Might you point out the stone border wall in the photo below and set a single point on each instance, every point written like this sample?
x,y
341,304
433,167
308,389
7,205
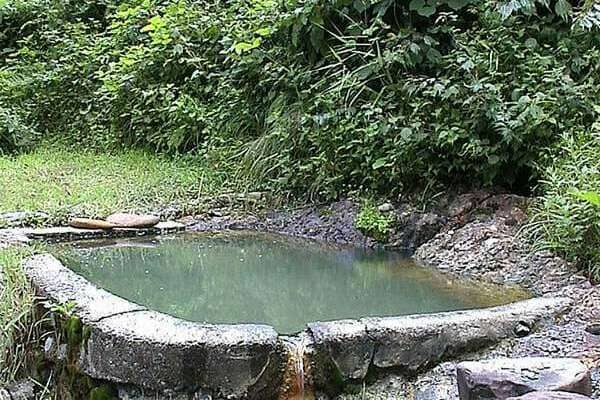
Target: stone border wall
x,y
126,343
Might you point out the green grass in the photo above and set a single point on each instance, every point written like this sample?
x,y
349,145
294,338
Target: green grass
x,y
16,311
63,183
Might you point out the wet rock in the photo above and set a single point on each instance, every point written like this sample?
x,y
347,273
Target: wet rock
x,y
512,377
88,223
550,396
522,329
124,220
414,229
593,328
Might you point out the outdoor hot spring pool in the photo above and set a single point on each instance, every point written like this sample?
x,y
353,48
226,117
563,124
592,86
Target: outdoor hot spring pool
x,y
268,279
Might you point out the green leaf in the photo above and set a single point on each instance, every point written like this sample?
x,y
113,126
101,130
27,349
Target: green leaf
x,y
422,8
591,197
563,9
263,31
380,162
457,4
416,5
427,11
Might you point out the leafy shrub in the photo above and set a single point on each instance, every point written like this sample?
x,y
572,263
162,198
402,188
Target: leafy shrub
x,y
14,134
566,219
373,223
318,96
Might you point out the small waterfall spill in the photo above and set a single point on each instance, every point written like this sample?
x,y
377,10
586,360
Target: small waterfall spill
x,y
296,384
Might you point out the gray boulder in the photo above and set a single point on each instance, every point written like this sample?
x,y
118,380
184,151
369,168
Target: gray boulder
x,y
512,377
550,396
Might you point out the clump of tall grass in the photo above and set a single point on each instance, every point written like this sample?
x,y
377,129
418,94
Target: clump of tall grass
x,y
566,218
16,313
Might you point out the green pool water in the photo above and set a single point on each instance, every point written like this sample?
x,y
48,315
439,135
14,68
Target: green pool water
x,y
259,278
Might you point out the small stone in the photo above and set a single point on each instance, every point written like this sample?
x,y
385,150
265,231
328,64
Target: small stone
x,y
124,220
22,390
550,396
593,328
522,329
385,207
502,378
255,195
88,223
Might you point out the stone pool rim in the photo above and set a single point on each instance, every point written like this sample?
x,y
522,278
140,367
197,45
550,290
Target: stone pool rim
x,y
130,344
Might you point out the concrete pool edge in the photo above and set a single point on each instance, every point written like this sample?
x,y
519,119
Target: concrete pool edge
x,y
129,344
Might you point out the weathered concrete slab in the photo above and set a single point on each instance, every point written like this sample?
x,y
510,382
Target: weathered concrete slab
x,y
349,349
413,342
128,344
160,352
510,377
347,345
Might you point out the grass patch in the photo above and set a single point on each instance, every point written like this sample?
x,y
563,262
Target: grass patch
x,y
16,312
373,223
62,183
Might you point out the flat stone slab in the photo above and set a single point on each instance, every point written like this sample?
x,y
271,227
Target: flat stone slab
x,y
512,377
125,220
347,345
20,218
157,351
550,396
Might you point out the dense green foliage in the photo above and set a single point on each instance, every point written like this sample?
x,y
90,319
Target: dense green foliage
x,y
566,219
325,95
